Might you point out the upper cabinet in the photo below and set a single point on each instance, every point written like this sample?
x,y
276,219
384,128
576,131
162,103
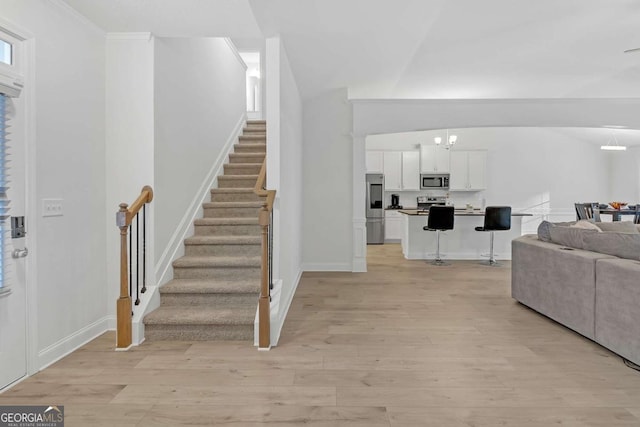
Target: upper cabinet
x,y
410,170
374,161
468,171
392,167
434,159
401,169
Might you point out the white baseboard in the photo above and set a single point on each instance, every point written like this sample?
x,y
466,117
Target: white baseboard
x,y
326,266
66,345
458,256
174,248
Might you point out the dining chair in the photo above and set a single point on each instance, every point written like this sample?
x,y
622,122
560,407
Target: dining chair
x,y
588,211
636,217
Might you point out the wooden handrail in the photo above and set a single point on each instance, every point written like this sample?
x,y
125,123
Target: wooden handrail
x,y
264,325
123,307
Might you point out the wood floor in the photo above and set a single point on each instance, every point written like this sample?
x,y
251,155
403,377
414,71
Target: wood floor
x,y
406,344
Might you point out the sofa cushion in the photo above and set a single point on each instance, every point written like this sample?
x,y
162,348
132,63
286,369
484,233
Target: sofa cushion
x,y
622,245
618,226
543,229
586,224
571,237
617,312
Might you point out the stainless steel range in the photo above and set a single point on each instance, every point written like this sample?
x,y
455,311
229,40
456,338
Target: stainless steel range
x,y
425,202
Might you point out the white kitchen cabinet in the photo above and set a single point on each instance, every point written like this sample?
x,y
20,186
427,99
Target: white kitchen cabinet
x,y
468,171
392,226
392,170
411,170
374,161
434,159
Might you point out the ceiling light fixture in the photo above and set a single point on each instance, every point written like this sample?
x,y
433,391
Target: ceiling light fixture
x,y
451,139
615,146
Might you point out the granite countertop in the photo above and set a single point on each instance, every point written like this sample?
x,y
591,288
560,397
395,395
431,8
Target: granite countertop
x,y
458,212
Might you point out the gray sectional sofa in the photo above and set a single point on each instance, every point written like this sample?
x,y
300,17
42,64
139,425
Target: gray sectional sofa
x,y
585,279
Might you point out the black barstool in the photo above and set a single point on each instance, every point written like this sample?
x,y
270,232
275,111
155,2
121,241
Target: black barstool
x,y
440,219
496,218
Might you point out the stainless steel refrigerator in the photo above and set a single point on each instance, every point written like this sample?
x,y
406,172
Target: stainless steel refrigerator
x,y
375,209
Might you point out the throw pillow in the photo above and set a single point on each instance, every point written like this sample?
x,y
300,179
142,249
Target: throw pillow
x,y
618,227
543,229
571,237
586,224
622,245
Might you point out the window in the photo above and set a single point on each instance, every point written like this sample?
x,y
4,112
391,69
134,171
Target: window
x,y
6,52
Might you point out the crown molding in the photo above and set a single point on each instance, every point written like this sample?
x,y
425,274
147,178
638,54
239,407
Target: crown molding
x,y
64,6
146,36
434,101
234,50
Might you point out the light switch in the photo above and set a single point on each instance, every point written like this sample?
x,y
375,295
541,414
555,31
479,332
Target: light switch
x,y
52,207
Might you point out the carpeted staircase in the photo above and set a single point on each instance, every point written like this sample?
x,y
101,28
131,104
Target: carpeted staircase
x,y
215,286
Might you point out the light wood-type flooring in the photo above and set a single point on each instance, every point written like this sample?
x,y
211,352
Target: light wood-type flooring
x,y
405,344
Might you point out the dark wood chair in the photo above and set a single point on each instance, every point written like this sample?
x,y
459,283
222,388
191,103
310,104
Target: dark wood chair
x,y
588,211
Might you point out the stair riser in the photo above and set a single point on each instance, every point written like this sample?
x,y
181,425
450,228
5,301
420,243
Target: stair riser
x,y
235,197
253,158
231,212
222,250
250,148
227,230
236,183
223,273
240,169
252,139
198,332
209,300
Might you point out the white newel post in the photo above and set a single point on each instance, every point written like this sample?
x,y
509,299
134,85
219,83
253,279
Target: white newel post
x,y
359,219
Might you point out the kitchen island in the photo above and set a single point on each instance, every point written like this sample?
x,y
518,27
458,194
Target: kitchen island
x,y
463,242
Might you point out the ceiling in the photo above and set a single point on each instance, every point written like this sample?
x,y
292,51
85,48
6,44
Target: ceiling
x,y
418,48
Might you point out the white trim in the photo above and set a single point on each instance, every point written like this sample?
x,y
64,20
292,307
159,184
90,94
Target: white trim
x,y
173,248
464,256
145,36
78,16
280,314
492,101
31,200
67,345
148,304
326,266
234,50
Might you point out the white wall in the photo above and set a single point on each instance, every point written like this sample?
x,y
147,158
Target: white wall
x,y
199,100
129,137
70,257
625,175
284,157
327,197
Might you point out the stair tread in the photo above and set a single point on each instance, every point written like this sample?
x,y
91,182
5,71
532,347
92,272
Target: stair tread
x,y
232,190
227,221
195,286
257,204
176,315
219,240
244,165
191,261
238,177
251,144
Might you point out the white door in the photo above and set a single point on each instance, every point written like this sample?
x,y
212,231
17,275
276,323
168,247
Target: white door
x,y
477,170
459,178
13,294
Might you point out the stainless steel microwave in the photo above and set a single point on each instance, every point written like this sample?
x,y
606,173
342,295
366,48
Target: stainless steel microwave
x,y
429,181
